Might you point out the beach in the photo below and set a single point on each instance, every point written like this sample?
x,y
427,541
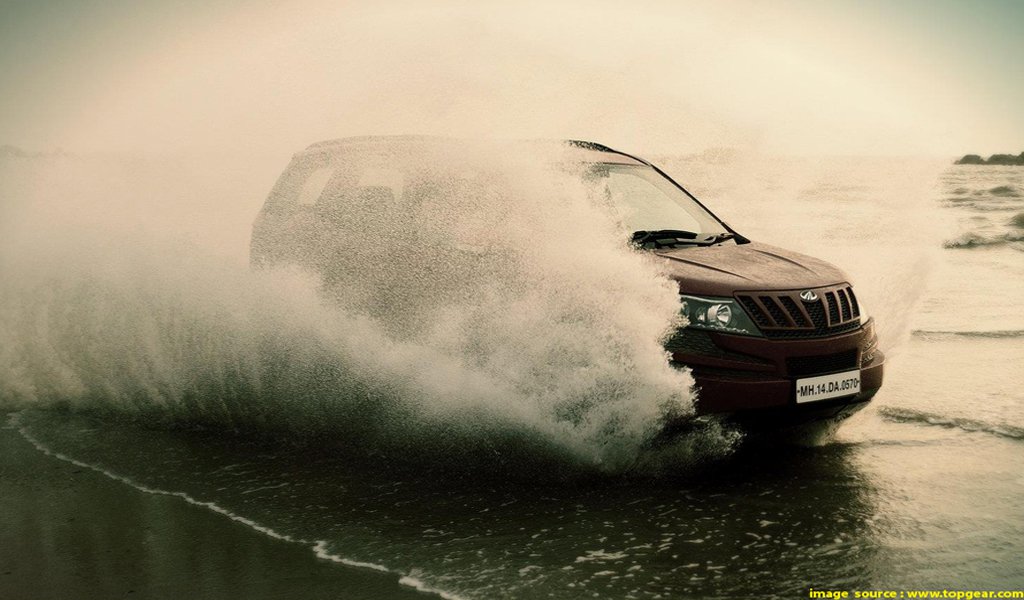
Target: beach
x,y
70,532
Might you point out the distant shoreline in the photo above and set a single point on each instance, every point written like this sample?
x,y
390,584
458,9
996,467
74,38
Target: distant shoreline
x,y
996,159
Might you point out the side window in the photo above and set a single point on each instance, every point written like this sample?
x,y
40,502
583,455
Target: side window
x,y
356,188
387,178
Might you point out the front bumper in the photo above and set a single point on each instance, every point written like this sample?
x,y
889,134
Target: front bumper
x,y
754,378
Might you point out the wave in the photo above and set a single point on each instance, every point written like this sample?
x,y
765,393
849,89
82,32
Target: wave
x,y
1008,333
1005,191
1017,220
904,415
975,240
986,205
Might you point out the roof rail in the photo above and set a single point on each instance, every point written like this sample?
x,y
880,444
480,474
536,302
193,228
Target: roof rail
x,y
585,145
581,144
375,138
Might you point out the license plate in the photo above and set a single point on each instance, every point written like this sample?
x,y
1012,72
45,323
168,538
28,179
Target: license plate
x,y
823,387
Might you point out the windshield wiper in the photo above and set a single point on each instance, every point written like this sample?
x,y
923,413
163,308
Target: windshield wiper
x,y
663,236
660,238
721,237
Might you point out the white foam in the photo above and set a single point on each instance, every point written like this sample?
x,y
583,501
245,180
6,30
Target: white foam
x,y
420,586
320,548
265,487
600,556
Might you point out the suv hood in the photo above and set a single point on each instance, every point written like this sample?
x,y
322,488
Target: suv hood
x,y
725,269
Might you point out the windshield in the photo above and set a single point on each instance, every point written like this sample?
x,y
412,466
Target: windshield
x,y
643,200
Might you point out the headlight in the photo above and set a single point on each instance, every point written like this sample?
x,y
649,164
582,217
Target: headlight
x,y
717,314
864,313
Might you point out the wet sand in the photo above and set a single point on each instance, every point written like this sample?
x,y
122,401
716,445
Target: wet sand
x,y
68,533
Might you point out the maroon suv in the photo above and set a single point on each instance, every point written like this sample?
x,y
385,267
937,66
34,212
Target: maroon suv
x,y
774,338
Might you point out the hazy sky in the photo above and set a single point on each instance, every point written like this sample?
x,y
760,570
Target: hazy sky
x,y
828,76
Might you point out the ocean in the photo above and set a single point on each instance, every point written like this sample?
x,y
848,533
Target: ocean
x,y
139,348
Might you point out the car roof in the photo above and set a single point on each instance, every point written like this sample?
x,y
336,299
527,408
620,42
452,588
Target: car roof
x,y
575,150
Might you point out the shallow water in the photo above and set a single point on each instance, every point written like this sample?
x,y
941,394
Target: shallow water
x,y
921,490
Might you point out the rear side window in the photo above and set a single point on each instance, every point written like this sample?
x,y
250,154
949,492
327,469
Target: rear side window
x,y
301,183
314,185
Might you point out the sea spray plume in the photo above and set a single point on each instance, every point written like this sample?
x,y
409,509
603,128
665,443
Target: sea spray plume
x,y
556,352
573,321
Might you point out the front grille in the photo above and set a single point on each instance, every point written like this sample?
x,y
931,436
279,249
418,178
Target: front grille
x,y
786,315
801,366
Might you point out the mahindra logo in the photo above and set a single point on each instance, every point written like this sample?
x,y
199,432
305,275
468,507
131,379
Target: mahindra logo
x,y
808,296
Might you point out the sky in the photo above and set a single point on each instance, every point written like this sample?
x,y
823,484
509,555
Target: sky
x,y
866,77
